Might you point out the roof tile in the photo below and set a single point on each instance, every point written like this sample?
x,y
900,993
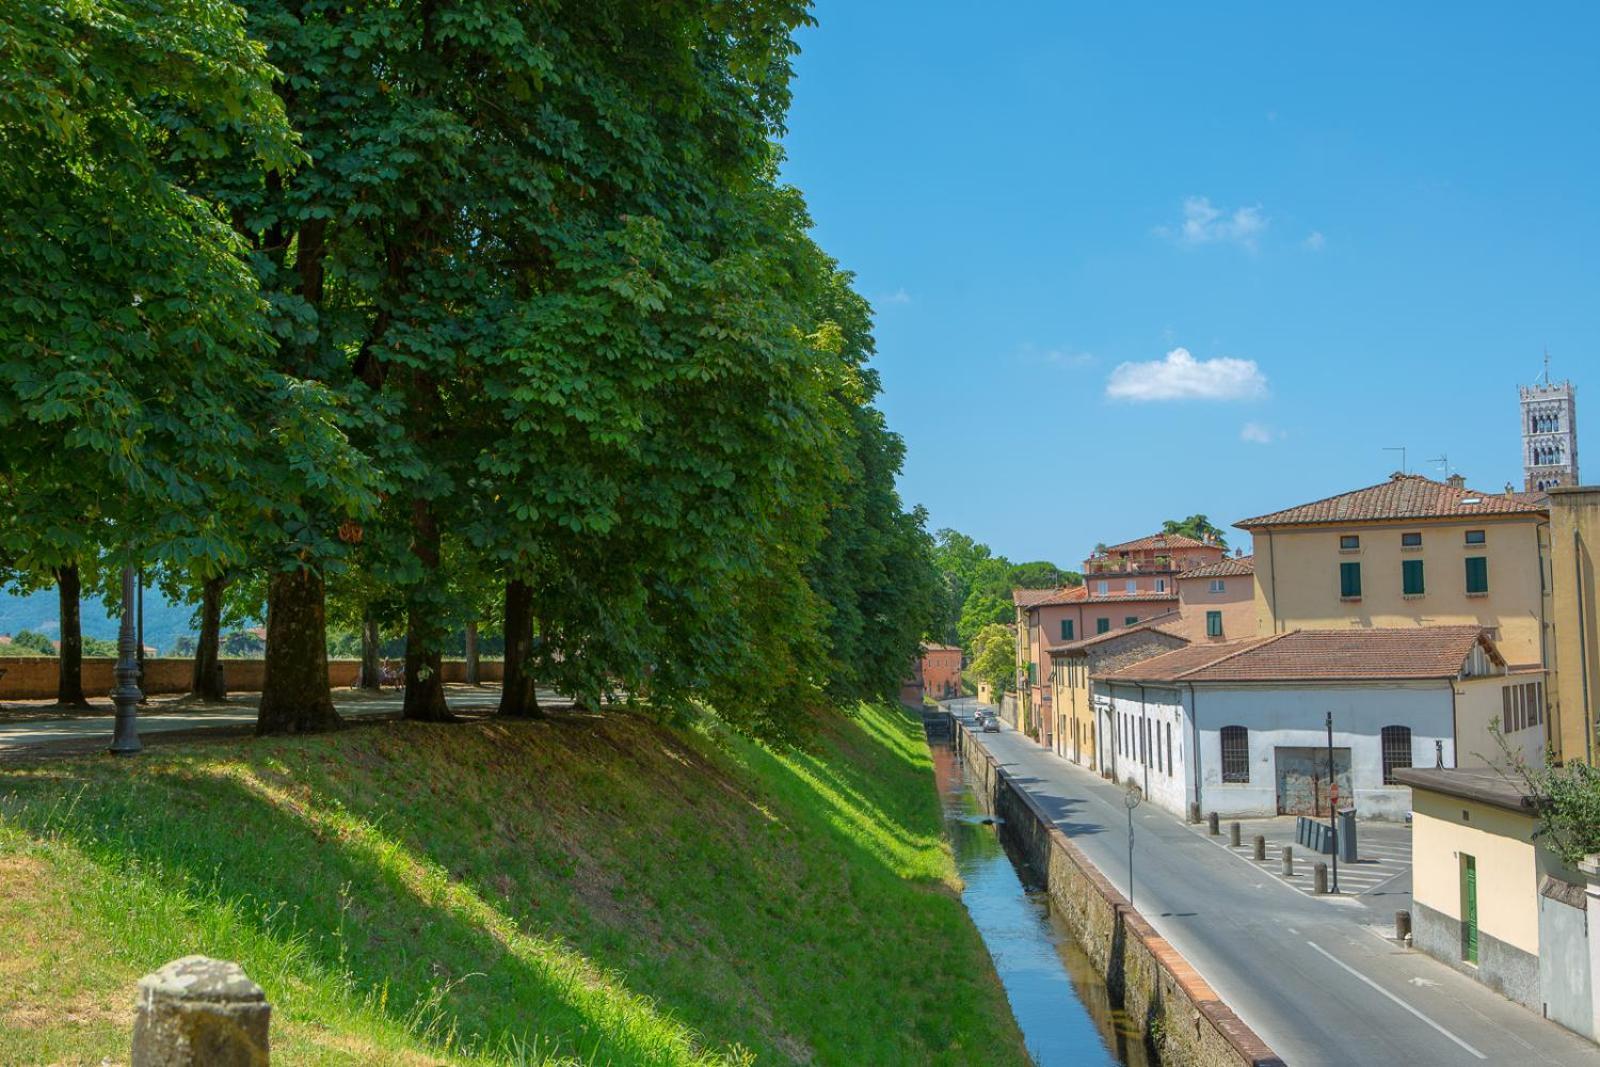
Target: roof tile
x,y
1420,652
1403,496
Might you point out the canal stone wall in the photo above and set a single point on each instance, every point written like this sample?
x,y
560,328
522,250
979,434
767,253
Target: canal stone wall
x,y
1182,1016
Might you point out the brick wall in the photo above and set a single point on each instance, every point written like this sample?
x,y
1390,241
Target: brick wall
x,y
1156,986
34,677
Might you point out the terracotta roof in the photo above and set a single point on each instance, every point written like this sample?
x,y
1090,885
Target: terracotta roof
x,y
1026,598
1071,594
1389,654
1143,596
934,646
1156,623
1403,496
1155,542
1233,567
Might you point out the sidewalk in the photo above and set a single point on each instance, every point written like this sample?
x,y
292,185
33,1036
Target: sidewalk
x,y
1312,978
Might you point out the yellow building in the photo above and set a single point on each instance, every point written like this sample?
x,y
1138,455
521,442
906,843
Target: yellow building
x,y
1490,900
1077,719
1574,541
1412,551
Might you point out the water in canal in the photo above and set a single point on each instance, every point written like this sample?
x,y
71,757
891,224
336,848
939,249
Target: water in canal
x,y
1059,1001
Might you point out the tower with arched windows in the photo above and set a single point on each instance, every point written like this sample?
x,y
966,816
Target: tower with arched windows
x,y
1549,433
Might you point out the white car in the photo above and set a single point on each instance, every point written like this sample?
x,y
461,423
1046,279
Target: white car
x,y
988,722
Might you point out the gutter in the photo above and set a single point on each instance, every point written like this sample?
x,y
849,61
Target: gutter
x,y
1583,649
1272,577
1544,645
1144,738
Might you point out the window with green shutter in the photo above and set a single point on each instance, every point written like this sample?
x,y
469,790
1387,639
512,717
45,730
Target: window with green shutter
x,y
1130,620
1066,629
1213,624
1349,579
1477,574
1102,626
1411,577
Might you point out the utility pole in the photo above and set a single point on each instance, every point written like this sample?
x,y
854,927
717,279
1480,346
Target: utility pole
x,y
1131,801
1333,806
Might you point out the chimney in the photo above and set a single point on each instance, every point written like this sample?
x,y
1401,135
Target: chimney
x,y
1510,489
1456,481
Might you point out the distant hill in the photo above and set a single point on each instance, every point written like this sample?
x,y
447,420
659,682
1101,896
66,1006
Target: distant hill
x,y
164,621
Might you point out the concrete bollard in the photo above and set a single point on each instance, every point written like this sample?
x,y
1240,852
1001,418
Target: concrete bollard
x,y
1402,926
1261,849
199,1012
1194,812
1233,834
1214,826
1288,862
1319,879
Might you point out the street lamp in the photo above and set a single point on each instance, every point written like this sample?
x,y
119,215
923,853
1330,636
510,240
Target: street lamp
x,y
1130,800
126,696
1333,807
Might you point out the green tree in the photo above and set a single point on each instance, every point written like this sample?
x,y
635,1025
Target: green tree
x,y
994,657
1196,526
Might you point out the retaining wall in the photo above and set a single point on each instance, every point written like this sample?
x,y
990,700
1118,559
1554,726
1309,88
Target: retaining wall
x,y
1186,1021
34,677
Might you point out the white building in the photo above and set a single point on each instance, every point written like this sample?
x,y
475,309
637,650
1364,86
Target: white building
x,y
1241,728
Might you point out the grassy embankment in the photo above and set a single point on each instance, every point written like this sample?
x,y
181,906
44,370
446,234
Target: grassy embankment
x,y
594,890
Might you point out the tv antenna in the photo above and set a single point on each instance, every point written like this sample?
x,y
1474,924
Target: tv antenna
x,y
1443,462
1402,450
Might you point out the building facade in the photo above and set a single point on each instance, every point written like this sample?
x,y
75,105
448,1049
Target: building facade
x,y
1217,602
935,673
1549,434
1077,733
1575,550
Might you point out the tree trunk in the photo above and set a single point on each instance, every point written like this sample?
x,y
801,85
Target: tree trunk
x,y
371,668
69,666
424,699
295,697
518,697
472,653
208,682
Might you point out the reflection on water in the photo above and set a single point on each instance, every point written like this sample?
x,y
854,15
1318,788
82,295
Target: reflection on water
x,y
1059,1001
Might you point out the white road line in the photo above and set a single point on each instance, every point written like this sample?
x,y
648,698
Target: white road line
x,y
1397,1000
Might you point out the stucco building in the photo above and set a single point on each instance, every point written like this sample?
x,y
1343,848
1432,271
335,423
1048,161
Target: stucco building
x,y
935,673
1575,541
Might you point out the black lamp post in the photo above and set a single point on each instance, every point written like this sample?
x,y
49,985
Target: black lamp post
x,y
1333,807
126,696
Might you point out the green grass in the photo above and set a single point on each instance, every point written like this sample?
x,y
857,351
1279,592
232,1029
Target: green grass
x,y
596,890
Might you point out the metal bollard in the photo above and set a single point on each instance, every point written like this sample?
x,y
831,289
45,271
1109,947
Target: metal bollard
x,y
1319,879
1233,834
1214,826
1288,862
199,1012
1261,848
1402,926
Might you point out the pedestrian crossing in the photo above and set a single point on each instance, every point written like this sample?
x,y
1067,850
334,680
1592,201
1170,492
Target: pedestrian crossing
x,y
1383,856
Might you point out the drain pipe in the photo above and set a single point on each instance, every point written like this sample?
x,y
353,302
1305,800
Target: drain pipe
x,y
1144,738
1194,721
1583,648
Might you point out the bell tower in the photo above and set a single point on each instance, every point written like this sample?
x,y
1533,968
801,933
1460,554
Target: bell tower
x,y
1549,433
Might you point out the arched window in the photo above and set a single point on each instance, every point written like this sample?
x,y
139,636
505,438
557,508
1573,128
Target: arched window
x,y
1235,754
1396,751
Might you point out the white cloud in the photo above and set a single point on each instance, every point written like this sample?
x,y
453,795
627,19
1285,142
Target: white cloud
x,y
1258,434
1314,241
1056,357
1182,377
1205,223
899,296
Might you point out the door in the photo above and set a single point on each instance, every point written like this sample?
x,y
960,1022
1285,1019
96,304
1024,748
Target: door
x,y
1302,775
1469,908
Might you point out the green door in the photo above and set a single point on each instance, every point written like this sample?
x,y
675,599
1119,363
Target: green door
x,y
1469,909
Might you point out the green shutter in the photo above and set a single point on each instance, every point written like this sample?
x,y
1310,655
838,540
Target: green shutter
x,y
1213,624
1066,629
1102,625
1349,579
1411,577
1477,574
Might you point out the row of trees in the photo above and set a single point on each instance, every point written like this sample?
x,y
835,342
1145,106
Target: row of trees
x,y
976,585
430,314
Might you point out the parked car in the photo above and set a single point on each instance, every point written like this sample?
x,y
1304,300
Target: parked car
x,y
988,722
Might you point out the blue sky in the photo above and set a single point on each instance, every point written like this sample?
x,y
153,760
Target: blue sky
x,y
1363,225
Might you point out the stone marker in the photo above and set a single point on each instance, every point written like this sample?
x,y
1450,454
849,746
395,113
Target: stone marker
x,y
1194,811
1288,862
1233,834
200,1012
1214,826
1319,879
1261,848
1402,925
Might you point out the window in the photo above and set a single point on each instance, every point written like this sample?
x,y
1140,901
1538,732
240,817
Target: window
x,y
1349,543
1235,754
1411,540
1350,580
1213,624
1144,740
1169,750
1411,577
1218,585
1476,537
1032,673
1161,585
1129,620
1396,751
1102,625
1066,629
1477,574
1131,585
1522,706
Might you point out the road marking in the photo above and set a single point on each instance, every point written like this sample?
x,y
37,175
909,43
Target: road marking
x,y
1397,1000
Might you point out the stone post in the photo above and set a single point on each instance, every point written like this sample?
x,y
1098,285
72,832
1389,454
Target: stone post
x,y
1261,848
1319,879
1233,834
1402,926
1213,825
1288,862
199,1012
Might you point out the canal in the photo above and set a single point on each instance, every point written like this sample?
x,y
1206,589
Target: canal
x,y
1060,1002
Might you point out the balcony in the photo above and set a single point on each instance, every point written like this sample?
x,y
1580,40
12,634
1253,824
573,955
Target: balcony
x,y
1105,565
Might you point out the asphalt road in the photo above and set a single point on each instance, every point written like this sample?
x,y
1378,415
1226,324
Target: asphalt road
x,y
1309,975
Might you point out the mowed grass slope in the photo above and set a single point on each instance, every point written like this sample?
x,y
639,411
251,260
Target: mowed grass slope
x,y
598,889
